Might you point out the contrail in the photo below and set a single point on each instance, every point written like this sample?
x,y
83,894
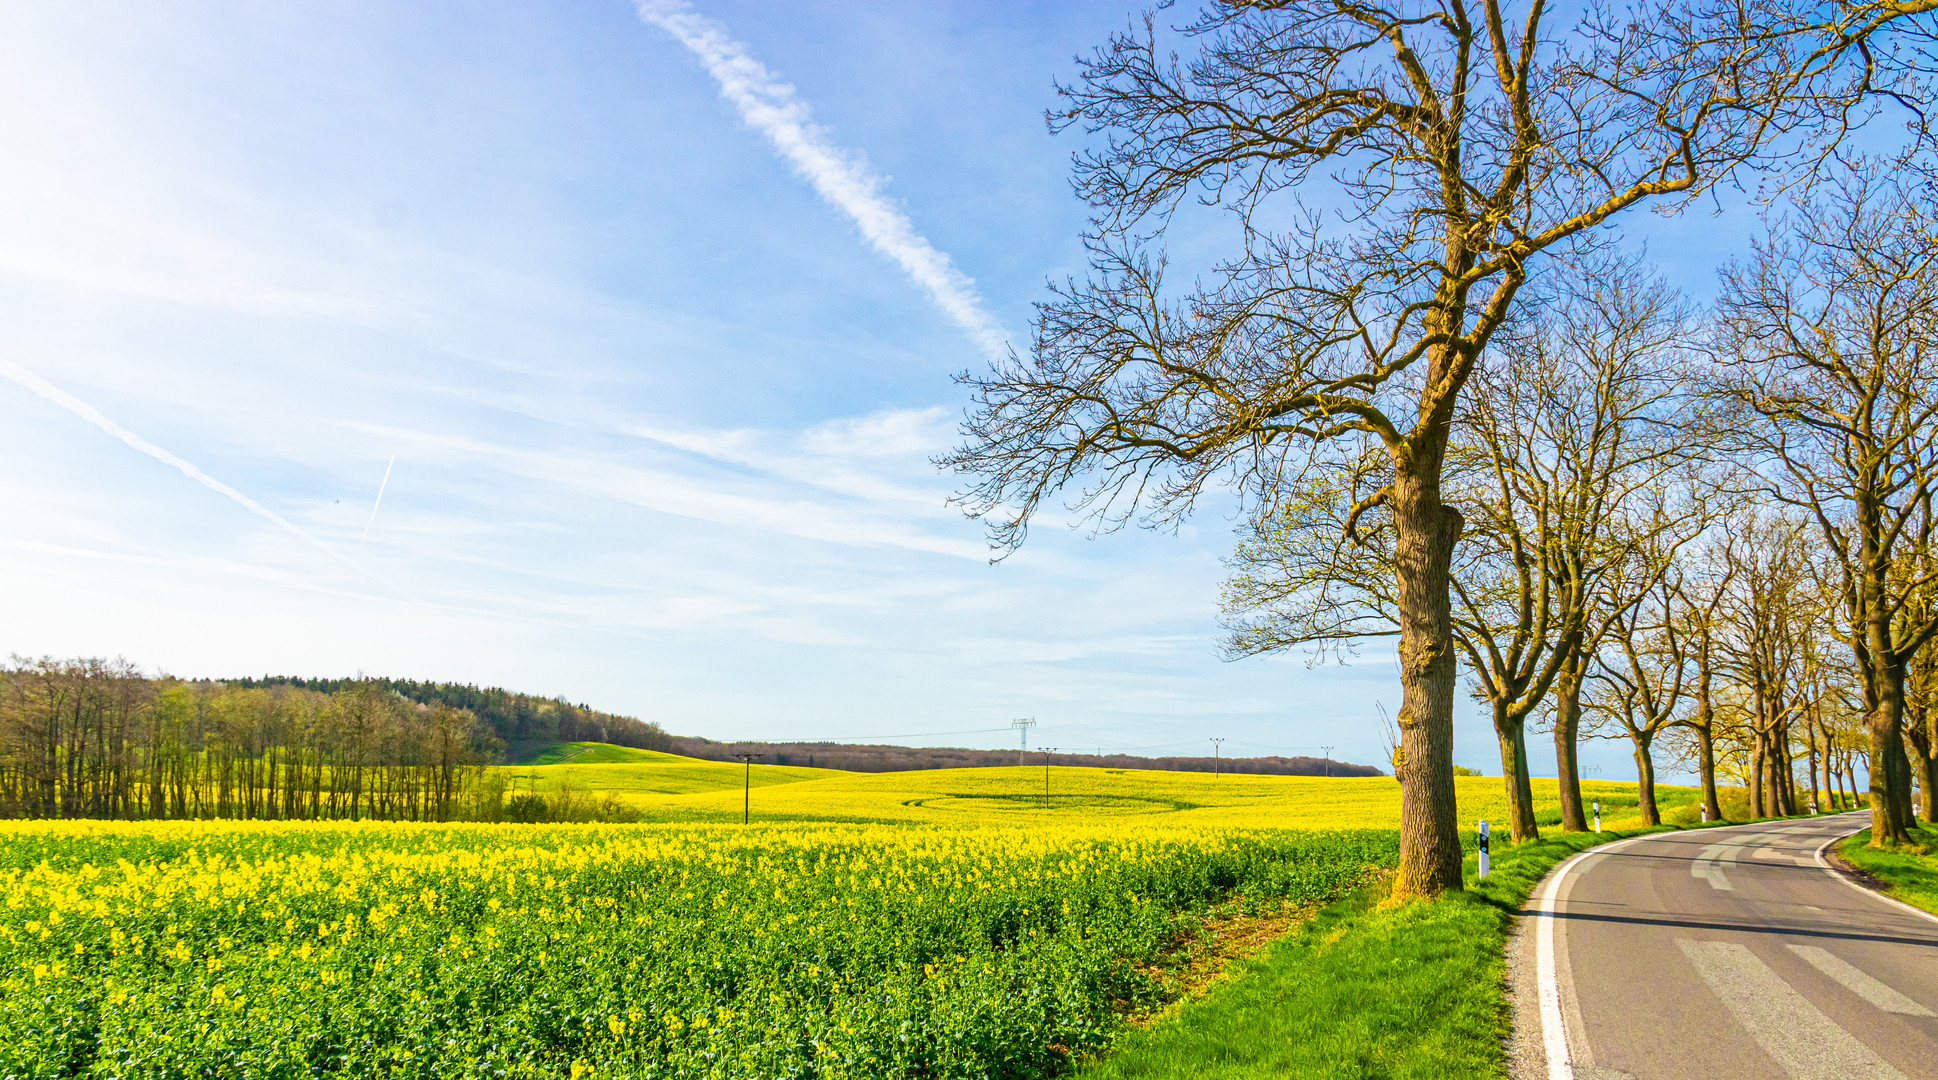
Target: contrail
x,y
841,176
380,501
87,412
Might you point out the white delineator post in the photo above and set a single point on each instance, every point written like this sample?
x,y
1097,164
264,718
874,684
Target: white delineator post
x,y
1483,850
1598,815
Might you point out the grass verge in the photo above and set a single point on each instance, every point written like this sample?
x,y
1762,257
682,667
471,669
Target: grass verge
x,y
1364,989
1905,874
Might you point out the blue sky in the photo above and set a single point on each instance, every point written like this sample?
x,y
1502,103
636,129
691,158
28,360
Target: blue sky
x,y
656,413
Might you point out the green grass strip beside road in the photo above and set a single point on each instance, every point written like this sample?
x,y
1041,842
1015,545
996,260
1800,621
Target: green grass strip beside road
x,y
1363,991
1907,875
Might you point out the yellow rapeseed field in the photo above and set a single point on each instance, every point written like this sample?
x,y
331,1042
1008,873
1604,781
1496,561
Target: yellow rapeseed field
x,y
679,789
177,949
946,923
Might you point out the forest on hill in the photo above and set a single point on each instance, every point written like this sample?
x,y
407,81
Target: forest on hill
x,y
512,717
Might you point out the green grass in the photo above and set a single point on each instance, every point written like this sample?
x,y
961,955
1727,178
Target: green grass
x,y
648,783
1908,875
1363,990
582,753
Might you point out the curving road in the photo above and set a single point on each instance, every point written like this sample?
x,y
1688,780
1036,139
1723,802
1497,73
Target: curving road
x,y
1722,953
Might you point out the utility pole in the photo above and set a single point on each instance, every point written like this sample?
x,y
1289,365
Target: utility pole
x,y
1023,726
1214,757
747,786
1328,751
1047,751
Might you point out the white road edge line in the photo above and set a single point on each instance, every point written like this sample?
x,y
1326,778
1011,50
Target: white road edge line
x,y
1554,1037
1839,875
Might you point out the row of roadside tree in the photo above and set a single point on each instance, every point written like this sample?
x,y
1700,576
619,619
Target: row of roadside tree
x,y
1415,336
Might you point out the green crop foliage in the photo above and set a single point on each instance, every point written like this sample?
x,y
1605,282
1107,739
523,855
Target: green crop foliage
x,y
240,949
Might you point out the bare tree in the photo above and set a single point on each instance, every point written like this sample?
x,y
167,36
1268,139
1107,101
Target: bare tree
x,y
1643,673
1594,444
1767,618
1558,462
1458,145
1700,589
1833,362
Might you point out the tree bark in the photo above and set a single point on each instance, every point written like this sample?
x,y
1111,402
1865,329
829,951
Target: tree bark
x,y
1706,764
1757,808
1833,786
1567,724
1917,741
1811,771
1645,783
1927,773
1783,780
1425,530
1891,818
1512,734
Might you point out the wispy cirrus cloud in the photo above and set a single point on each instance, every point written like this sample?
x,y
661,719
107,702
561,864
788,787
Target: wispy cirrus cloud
x,y
25,378
781,511
839,174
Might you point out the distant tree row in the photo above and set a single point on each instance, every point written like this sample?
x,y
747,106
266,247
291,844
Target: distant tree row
x,y
881,758
90,738
513,718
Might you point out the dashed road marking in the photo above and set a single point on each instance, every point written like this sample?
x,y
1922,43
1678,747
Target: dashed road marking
x,y
1709,862
1857,982
1795,1033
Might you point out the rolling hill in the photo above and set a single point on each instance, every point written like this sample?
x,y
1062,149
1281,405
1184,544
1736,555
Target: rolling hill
x,y
670,788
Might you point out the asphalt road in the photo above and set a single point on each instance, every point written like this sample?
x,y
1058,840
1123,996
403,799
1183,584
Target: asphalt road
x,y
1722,953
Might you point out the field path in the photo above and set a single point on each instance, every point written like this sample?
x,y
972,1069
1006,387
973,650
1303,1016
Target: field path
x,y
1722,953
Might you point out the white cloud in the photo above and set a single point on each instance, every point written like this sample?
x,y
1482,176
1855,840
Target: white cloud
x,y
87,412
852,456
888,433
840,175
671,493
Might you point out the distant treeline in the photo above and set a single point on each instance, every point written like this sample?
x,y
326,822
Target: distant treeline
x,y
513,718
90,738
93,738
875,758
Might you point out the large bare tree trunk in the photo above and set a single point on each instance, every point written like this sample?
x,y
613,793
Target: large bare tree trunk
x,y
1890,803
1811,770
1783,801
1645,783
1927,774
1891,815
1757,806
1512,735
1425,530
1567,726
1924,759
1706,764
